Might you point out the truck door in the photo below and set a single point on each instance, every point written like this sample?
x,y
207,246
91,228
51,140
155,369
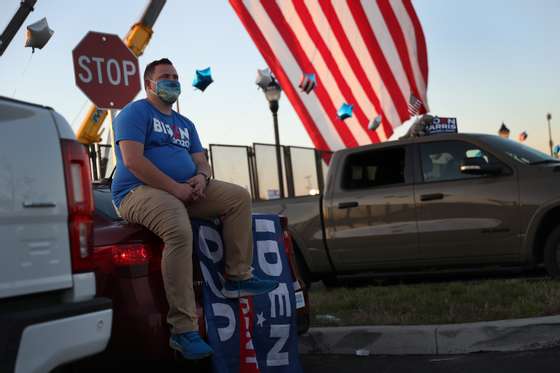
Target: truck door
x,y
371,221
465,218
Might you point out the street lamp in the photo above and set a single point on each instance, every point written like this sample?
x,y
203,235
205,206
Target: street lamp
x,y
272,92
550,144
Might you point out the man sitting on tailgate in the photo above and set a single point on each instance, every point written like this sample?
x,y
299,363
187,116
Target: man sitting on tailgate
x,y
163,179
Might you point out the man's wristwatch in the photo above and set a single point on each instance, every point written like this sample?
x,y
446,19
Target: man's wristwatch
x,y
206,177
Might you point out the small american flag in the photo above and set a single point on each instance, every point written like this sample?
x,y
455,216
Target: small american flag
x,y
414,105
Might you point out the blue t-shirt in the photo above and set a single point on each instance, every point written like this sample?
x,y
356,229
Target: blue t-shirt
x,y
169,141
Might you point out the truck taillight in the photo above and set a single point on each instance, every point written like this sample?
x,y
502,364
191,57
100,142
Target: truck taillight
x,y
80,204
127,255
125,260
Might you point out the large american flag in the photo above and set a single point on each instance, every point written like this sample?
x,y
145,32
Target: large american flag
x,y
368,53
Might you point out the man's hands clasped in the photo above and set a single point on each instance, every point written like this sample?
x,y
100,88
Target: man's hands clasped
x,y
198,183
192,190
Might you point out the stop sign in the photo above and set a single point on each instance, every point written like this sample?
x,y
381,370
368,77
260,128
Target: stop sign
x,y
106,70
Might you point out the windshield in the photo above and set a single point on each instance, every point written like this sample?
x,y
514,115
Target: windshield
x,y
519,152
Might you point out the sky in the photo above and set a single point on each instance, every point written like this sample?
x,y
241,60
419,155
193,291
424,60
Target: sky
x,y
489,61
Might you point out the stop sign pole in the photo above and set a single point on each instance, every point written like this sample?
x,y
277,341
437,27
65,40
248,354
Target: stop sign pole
x,y
106,70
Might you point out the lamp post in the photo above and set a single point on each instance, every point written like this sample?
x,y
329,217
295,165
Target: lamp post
x,y
272,93
550,144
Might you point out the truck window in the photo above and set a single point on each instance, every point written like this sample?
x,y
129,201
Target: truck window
x,y
441,161
519,152
374,168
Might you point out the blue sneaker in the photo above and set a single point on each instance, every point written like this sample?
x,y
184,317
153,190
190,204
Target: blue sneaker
x,y
244,288
190,345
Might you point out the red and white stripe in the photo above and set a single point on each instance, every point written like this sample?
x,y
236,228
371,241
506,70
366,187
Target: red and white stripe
x,y
368,53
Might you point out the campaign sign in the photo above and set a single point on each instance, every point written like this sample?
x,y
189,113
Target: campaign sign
x,y
442,125
251,334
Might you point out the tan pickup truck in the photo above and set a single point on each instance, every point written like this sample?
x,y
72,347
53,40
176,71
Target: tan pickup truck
x,y
449,202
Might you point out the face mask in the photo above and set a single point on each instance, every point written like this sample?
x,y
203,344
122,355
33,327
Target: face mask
x,y
168,90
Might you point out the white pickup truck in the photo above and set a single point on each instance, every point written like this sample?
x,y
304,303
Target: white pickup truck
x,y
49,314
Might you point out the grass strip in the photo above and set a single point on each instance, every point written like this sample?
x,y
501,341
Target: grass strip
x,y
436,303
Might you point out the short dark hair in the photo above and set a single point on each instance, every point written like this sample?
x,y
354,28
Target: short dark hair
x,y
149,71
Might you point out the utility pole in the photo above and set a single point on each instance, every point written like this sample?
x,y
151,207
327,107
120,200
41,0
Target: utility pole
x,y
550,143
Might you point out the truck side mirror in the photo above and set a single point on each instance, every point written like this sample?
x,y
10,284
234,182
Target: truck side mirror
x,y
479,166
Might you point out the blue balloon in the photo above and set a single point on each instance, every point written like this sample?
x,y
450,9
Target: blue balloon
x,y
202,79
556,149
345,111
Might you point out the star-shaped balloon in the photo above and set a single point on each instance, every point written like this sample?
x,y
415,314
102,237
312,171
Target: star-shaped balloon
x,y
38,34
375,123
264,78
345,111
203,79
308,82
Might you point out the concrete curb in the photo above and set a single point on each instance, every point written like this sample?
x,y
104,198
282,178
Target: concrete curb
x,y
502,335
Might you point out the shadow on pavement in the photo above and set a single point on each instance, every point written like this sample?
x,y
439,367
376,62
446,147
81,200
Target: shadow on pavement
x,y
179,365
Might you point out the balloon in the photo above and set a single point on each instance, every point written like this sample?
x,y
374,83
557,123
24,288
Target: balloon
x,y
556,149
264,78
308,82
375,123
523,136
202,79
345,111
38,34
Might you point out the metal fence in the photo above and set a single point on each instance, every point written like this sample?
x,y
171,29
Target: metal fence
x,y
252,167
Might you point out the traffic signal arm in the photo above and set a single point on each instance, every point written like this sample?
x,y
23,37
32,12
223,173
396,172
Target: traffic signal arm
x,y
89,131
138,38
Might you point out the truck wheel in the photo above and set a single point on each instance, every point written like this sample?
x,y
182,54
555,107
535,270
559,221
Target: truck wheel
x,y
552,253
303,270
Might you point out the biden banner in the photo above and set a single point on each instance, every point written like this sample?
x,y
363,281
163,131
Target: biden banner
x,y
250,334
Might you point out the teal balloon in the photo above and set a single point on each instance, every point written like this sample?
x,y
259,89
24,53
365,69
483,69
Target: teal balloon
x,y
203,79
345,111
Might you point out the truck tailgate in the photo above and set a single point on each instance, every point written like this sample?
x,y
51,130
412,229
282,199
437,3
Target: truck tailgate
x,y
34,242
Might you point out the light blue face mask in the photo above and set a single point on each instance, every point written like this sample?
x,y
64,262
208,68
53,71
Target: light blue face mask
x,y
168,90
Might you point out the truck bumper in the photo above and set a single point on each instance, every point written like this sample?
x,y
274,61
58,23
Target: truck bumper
x,y
47,334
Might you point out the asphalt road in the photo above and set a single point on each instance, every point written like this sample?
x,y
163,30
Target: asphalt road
x,y
547,360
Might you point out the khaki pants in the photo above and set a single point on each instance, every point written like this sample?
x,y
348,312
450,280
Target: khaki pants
x,y
168,217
